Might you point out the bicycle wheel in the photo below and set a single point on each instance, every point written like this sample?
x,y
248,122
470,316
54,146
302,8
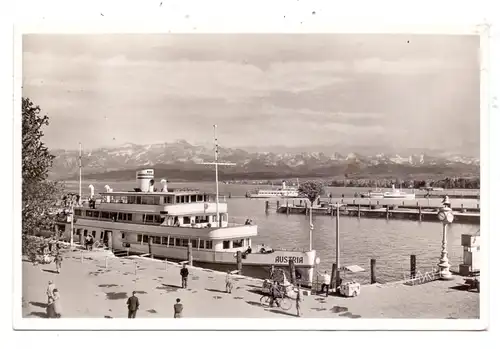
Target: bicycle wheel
x,y
264,300
285,303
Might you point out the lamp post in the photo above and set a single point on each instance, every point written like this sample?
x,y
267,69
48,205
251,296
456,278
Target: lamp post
x,y
337,244
445,215
311,226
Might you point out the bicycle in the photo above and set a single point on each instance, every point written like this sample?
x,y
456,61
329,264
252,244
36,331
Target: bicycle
x,y
284,302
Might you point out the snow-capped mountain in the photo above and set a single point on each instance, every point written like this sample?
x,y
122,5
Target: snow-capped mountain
x,y
183,156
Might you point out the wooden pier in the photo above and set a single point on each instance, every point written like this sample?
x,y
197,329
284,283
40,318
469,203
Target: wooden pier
x,y
386,211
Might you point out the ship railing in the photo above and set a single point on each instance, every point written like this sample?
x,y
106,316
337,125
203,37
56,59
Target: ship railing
x,y
302,250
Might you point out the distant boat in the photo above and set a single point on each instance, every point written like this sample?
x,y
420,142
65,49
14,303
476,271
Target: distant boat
x,y
283,192
394,194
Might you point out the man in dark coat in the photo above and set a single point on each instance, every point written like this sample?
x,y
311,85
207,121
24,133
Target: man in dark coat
x,y
184,276
178,308
133,305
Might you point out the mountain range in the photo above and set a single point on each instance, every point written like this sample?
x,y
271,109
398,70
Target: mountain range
x,y
181,160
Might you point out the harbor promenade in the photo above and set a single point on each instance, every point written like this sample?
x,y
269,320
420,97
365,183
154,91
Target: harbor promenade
x,y
90,290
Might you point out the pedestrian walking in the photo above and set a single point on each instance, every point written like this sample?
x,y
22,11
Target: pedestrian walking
x,y
326,283
58,261
178,307
298,299
54,309
229,283
50,291
275,294
184,276
133,305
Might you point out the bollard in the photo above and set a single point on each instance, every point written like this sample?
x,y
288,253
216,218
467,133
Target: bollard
x,y
333,277
81,256
291,266
373,272
239,263
413,266
190,253
150,247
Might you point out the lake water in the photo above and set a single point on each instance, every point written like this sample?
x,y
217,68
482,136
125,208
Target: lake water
x,y
390,242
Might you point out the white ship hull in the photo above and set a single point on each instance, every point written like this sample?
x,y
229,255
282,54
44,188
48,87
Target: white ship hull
x,y
275,195
124,236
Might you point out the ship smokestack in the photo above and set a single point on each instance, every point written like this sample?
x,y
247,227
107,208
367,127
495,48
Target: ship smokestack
x,y
145,180
164,185
91,187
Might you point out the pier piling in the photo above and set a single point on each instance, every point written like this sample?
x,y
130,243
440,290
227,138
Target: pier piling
x,y
239,263
267,206
333,277
190,253
373,272
291,266
413,266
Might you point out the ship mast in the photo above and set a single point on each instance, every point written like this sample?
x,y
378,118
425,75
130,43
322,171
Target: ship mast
x,y
217,163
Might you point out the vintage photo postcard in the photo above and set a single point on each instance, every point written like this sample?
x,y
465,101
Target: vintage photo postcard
x,y
290,180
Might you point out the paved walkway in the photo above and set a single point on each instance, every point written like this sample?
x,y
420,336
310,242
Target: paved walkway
x,y
88,289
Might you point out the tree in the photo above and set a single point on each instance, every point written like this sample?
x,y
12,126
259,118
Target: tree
x,y
39,195
312,190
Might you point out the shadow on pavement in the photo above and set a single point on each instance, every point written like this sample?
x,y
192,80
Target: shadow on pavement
x,y
214,290
282,312
50,271
39,304
39,314
256,304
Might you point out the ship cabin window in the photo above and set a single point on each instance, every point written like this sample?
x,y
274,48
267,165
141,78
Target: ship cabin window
x,y
199,197
186,220
177,242
201,219
177,199
168,200
96,214
184,242
157,240
78,212
226,244
123,235
85,232
194,243
148,218
89,214
147,200
171,242
238,243
93,233
145,239
193,198
105,215
157,218
202,244
208,244
139,237
138,200
130,199
164,240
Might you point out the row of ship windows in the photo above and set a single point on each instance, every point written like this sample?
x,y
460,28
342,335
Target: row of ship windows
x,y
157,200
119,216
173,241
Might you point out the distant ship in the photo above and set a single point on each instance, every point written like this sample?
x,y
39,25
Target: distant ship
x,y
283,192
394,194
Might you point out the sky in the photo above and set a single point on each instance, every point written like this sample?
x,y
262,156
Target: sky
x,y
262,90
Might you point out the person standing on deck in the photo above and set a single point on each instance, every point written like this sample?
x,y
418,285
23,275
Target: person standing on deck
x,y
184,275
133,306
58,261
326,283
178,307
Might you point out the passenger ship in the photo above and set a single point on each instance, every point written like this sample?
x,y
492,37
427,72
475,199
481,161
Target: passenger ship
x,y
165,221
283,192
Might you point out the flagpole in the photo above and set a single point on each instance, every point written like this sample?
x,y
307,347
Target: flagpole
x,y
216,176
